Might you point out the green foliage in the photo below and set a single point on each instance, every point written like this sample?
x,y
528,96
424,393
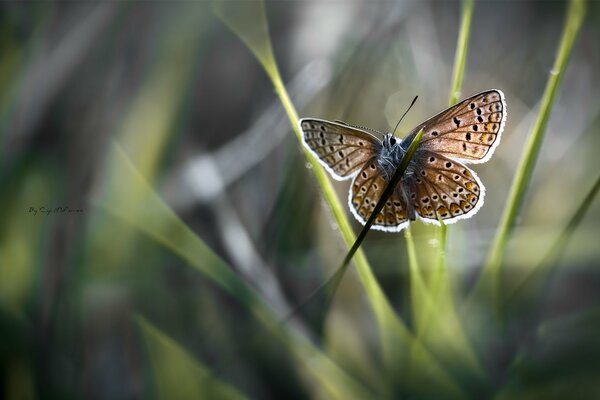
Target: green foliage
x,y
406,320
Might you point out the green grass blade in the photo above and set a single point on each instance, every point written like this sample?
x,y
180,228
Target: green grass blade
x,y
251,27
176,374
436,321
144,132
166,228
460,57
249,23
418,290
541,271
489,283
248,20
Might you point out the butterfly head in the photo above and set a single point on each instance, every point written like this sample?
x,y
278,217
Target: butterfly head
x,y
390,141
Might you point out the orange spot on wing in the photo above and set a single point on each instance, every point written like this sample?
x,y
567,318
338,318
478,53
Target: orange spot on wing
x,y
455,209
443,212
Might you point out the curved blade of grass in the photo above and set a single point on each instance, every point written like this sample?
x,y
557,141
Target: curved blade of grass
x,y
489,283
543,270
248,21
166,228
145,131
250,25
177,375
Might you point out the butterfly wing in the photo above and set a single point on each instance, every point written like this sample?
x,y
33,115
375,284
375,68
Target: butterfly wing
x,y
437,186
341,148
367,188
469,130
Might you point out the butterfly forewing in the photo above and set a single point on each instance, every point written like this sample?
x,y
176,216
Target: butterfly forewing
x,y
367,188
439,187
342,149
469,130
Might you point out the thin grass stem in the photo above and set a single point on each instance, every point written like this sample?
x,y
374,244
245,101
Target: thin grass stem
x,y
490,282
460,57
551,258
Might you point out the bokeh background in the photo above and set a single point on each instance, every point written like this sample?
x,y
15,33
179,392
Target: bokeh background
x,y
157,128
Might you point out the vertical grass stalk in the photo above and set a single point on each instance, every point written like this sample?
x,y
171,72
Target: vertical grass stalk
x,y
490,281
435,318
460,57
539,275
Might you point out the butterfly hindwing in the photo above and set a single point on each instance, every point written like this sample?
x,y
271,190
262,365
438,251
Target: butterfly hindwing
x,y
469,130
367,188
341,148
438,186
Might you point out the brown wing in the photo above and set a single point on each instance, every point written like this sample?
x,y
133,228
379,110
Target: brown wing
x,y
341,148
366,190
469,130
441,187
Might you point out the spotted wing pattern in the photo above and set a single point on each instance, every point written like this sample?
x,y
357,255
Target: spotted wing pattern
x,y
437,186
469,130
367,188
341,148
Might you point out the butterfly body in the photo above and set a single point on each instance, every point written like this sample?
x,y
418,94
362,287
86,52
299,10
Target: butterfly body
x,y
390,155
436,184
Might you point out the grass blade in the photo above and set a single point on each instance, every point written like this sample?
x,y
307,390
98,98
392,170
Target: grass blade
x,y
543,270
460,57
176,374
436,321
489,284
167,229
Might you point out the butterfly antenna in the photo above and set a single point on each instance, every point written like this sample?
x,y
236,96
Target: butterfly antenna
x,y
405,112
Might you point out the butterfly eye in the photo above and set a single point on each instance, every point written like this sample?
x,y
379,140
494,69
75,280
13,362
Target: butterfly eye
x,y
392,141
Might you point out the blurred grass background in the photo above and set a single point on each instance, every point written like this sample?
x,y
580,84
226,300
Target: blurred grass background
x,y
160,121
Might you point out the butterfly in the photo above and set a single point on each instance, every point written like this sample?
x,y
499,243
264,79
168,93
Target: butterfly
x,y
436,184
